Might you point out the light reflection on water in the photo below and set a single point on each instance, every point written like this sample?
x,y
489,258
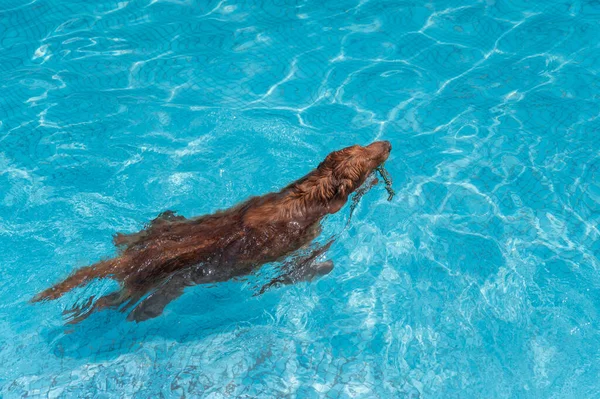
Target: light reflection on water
x,y
479,279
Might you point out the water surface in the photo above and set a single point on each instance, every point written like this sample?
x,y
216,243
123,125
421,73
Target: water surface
x,y
480,278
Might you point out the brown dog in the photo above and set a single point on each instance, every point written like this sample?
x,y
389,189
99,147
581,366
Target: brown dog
x,y
174,252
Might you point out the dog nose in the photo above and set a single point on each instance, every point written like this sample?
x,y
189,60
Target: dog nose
x,y
387,144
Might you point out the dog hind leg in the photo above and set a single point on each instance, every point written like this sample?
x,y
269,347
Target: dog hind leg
x,y
80,313
153,305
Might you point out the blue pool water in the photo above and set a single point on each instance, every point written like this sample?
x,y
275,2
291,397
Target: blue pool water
x,y
480,279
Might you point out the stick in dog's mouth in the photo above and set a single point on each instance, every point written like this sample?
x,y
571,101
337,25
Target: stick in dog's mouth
x,y
388,181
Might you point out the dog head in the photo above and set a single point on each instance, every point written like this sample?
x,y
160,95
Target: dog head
x,y
343,171
324,190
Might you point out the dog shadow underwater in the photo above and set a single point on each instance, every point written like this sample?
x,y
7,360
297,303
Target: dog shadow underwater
x,y
203,311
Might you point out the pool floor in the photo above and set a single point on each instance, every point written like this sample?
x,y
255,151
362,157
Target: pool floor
x,y
480,279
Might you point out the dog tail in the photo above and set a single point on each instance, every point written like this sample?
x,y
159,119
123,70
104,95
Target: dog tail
x,y
79,277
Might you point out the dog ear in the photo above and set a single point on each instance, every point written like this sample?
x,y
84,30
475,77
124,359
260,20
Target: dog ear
x,y
343,189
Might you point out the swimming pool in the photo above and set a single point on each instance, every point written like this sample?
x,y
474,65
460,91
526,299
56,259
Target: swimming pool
x,y
479,279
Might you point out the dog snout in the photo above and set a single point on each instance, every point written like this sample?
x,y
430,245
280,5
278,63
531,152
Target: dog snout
x,y
380,150
384,146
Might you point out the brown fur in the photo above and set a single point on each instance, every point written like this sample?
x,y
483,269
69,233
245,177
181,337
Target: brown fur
x,y
174,252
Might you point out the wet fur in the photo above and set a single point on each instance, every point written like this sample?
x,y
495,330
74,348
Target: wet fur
x,y
174,252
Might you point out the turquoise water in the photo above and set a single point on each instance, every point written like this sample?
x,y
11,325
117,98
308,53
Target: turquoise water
x,y
480,279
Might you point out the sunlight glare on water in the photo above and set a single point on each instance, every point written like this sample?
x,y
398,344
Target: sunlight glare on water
x,y
480,278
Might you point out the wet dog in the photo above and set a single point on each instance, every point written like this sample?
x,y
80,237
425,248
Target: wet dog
x,y
156,264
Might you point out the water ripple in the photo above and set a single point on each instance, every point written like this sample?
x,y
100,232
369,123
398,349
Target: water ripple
x,y
480,278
